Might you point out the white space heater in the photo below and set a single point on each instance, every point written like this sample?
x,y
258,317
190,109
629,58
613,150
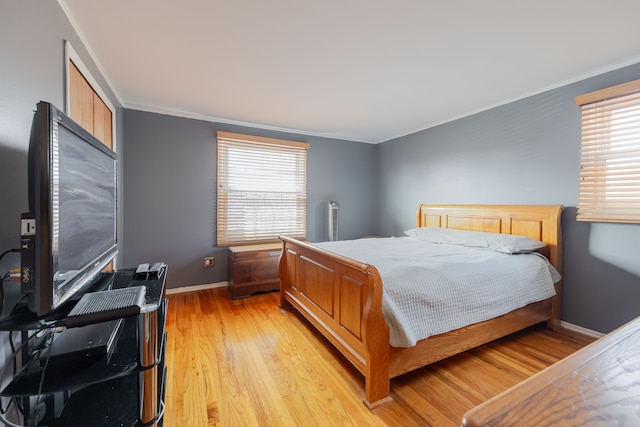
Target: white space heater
x,y
332,220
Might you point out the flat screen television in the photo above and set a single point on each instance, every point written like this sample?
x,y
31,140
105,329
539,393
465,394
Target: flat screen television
x,y
69,234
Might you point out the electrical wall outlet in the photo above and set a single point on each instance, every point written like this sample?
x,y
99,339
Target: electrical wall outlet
x,y
209,261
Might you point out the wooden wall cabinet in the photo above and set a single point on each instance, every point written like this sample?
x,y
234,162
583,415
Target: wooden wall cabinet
x,y
88,109
253,268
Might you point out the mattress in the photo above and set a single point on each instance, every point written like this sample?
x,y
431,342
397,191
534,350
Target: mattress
x,y
431,288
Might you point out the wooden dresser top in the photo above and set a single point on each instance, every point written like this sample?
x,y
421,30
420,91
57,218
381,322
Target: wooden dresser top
x,y
596,386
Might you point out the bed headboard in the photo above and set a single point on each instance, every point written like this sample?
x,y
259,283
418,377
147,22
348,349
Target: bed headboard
x,y
540,222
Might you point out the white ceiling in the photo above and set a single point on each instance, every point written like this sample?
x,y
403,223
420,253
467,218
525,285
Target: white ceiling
x,y
362,70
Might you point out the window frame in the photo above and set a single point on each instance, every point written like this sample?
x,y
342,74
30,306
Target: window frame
x,y
237,193
609,178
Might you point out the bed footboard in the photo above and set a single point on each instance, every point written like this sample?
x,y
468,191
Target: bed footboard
x,y
342,298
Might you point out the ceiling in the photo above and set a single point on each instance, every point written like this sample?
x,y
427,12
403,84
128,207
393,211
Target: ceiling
x,y
361,70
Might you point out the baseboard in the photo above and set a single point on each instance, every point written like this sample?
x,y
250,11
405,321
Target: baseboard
x,y
195,288
581,330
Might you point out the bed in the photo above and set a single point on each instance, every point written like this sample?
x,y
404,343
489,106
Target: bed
x,y
343,297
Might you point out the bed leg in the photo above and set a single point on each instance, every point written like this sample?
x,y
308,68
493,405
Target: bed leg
x,y
553,324
282,272
284,303
379,399
377,387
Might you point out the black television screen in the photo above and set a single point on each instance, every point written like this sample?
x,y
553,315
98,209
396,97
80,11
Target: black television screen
x,y
69,233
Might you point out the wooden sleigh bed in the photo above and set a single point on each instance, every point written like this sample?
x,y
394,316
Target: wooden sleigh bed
x,y
342,297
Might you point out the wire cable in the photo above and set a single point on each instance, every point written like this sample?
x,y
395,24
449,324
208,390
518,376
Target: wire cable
x,y
9,423
15,370
2,255
12,400
2,373
15,354
2,291
47,348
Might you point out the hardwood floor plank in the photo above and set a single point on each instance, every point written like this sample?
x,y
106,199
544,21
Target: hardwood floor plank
x,y
247,362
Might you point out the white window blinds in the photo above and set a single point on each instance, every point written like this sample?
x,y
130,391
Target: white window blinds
x,y
262,189
610,154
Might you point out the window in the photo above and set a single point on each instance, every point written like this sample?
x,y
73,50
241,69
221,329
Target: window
x,y
610,154
262,189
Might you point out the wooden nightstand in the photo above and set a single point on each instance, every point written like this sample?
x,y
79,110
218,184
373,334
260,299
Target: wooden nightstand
x,y
253,268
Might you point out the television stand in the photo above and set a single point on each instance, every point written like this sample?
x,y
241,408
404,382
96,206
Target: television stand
x,y
122,386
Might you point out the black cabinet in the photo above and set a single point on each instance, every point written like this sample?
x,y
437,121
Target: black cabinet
x,y
122,387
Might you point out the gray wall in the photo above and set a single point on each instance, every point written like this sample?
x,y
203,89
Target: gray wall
x,y
169,199
32,35
525,152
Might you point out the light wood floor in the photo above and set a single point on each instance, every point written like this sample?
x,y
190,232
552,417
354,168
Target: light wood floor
x,y
249,363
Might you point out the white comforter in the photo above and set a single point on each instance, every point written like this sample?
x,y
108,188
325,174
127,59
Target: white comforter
x,y
433,288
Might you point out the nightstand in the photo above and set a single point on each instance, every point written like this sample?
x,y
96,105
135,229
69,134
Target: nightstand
x,y
253,268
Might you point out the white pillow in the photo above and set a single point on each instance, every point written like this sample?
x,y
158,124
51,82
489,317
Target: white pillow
x,y
506,243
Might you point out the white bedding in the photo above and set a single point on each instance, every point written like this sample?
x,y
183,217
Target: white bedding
x,y
434,288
